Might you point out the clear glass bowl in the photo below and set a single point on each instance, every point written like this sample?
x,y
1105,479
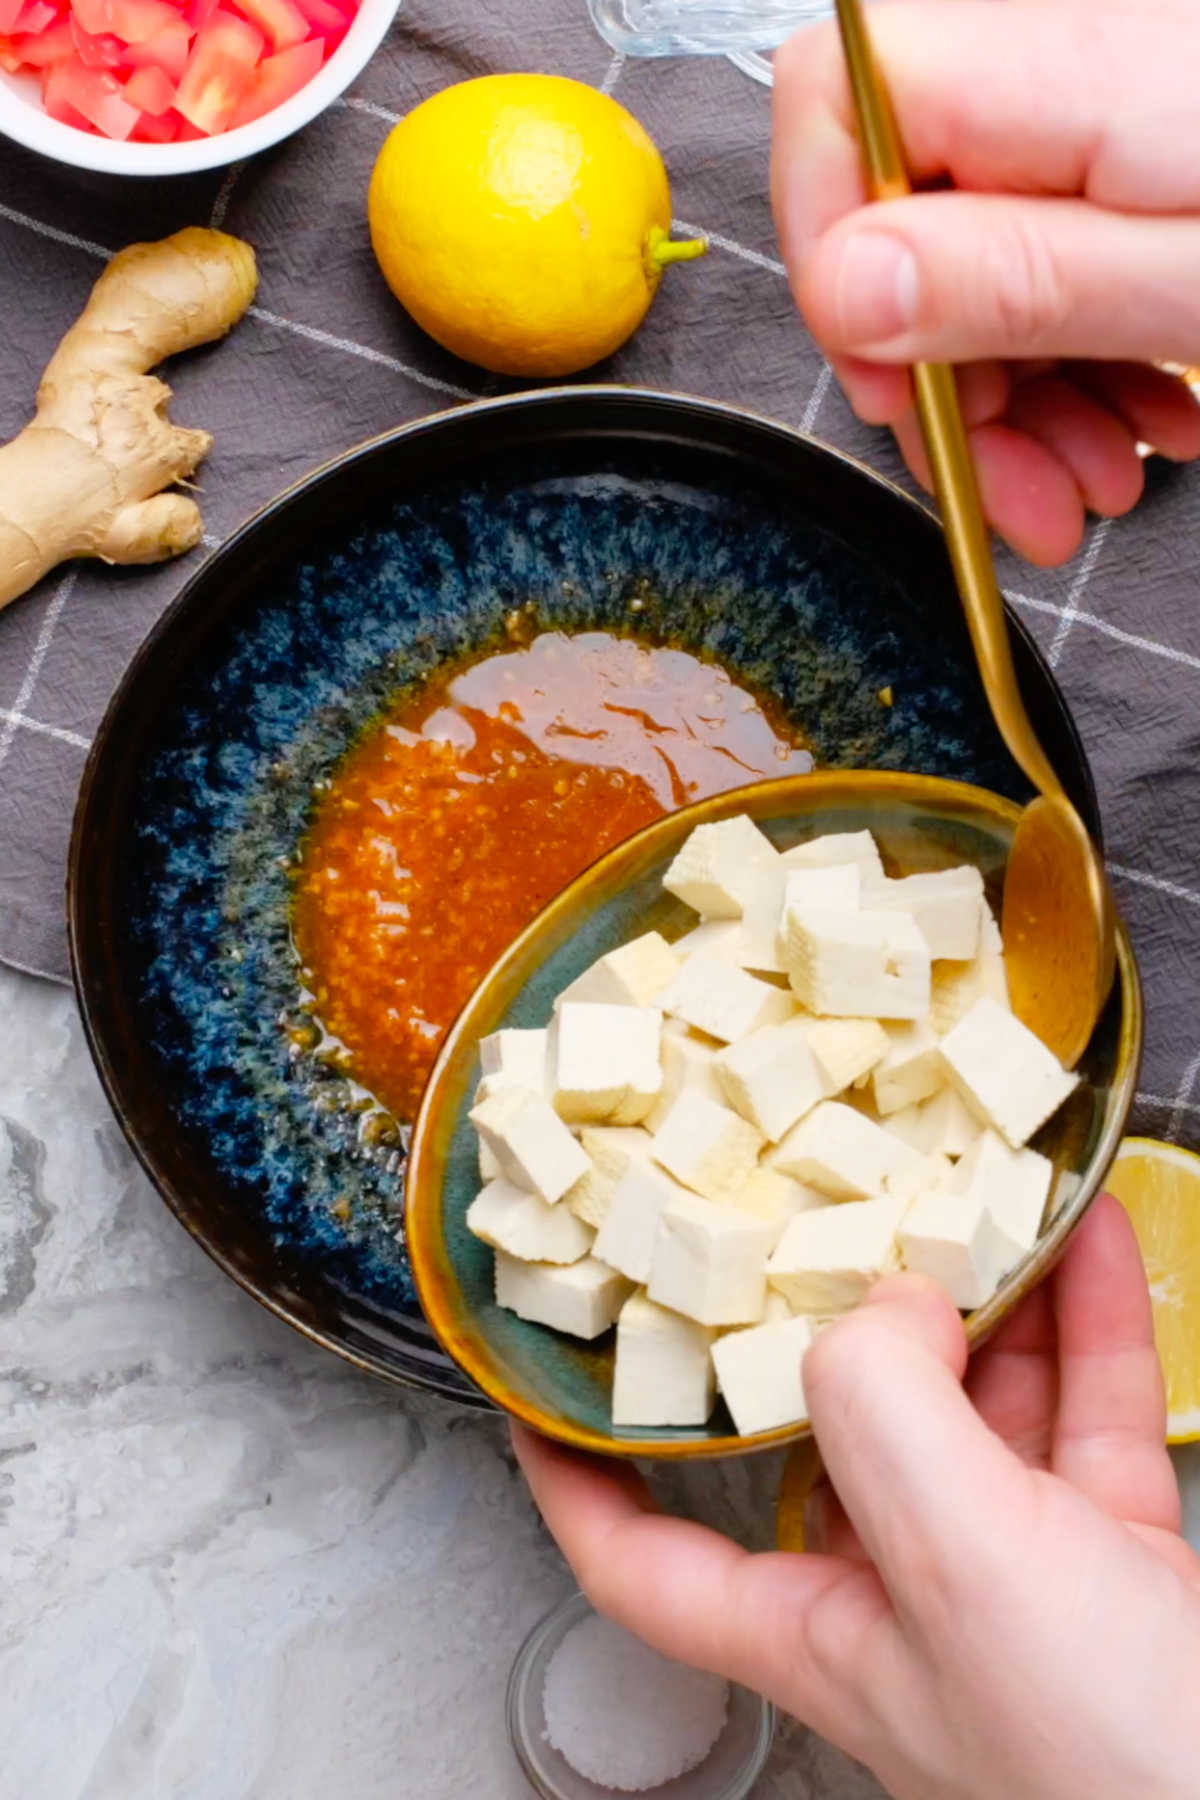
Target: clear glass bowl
x,y
728,1772
702,27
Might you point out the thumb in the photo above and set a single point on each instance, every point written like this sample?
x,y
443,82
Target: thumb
x,y
931,1491
953,277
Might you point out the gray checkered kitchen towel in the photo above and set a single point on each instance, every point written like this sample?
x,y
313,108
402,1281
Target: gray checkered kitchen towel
x,y
326,358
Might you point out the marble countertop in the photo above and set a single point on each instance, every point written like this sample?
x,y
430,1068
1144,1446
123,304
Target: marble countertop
x,y
232,1568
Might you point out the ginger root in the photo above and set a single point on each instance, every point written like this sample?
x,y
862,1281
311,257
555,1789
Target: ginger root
x,y
85,477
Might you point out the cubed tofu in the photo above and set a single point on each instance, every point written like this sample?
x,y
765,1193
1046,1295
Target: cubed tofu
x,y
953,1239
509,1219
837,888
1014,1185
489,1164
707,1147
723,1001
634,974
663,1373
772,1077
626,1236
759,1374
775,1198
1006,1075
582,1299
942,1125
709,1262
928,1175
841,1153
520,1056
530,1142
612,1151
775,1307
836,848
723,939
865,963
828,1260
957,986
945,905
687,1062
846,1049
762,911
606,1062
715,869
910,1069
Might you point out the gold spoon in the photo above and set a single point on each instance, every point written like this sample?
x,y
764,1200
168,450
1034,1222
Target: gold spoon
x,y
1057,921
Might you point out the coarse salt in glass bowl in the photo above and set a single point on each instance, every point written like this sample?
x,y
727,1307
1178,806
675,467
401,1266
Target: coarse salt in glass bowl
x,y
727,1772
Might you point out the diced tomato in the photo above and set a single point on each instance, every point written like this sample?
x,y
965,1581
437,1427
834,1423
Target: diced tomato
x,y
278,78
199,12
220,71
130,20
97,95
188,132
280,21
166,50
328,16
163,129
27,52
150,91
35,17
55,83
10,12
96,51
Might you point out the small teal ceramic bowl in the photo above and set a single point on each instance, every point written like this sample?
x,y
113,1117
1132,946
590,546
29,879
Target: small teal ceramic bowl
x,y
678,520
560,1385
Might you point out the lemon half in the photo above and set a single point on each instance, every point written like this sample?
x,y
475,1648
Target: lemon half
x,y
1159,1187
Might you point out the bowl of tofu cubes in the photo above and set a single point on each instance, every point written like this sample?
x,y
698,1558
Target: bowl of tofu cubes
x,y
755,1058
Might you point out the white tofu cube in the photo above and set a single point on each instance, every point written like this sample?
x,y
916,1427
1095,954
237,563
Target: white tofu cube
x,y
759,1374
714,870
945,905
775,1307
509,1219
663,1374
530,1142
720,938
843,1154
775,1198
865,963
846,1049
709,1262
723,1001
489,1164
836,889
762,912
582,1299
518,1056
957,986
707,1147
634,974
928,1175
772,1077
1014,1185
612,1151
687,1062
828,1260
942,1125
837,848
1006,1075
910,1069
952,1239
627,1233
606,1062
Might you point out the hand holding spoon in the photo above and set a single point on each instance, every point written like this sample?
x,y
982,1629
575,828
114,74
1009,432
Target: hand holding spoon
x,y
1057,922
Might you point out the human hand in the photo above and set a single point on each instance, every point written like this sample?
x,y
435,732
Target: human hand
x,y
1004,1607
1064,264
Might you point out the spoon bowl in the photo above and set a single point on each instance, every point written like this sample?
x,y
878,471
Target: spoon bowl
x,y
561,1386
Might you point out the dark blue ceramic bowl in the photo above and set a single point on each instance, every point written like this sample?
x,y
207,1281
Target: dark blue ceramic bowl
x,y
687,521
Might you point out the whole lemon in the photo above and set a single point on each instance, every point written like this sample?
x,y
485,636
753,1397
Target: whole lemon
x,y
523,221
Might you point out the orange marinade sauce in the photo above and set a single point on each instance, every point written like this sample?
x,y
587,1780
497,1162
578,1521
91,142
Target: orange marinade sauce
x,y
455,819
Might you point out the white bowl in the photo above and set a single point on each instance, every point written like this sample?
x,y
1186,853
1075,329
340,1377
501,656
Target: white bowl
x,y
23,119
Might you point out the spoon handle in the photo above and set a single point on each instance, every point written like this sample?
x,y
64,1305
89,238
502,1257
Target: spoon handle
x,y
944,434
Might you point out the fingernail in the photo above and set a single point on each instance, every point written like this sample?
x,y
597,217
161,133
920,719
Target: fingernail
x,y
876,288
